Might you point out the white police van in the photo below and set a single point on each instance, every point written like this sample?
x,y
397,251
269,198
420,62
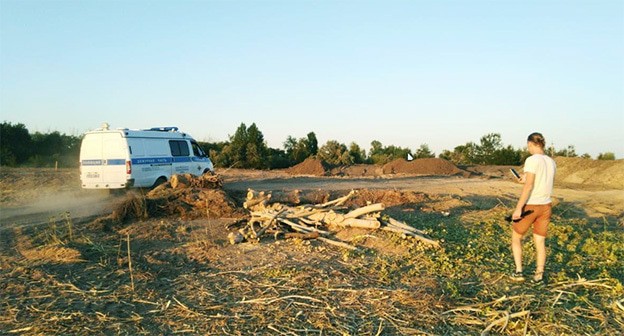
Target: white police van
x,y
122,158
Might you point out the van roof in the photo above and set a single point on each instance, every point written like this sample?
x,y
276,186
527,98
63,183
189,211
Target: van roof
x,y
155,132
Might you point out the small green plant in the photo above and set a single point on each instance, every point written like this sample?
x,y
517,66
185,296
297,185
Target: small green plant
x,y
52,233
59,235
69,222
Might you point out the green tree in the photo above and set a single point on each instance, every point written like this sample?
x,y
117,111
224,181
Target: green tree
x,y
278,159
298,150
507,156
357,154
569,151
486,151
312,143
586,156
46,149
490,150
246,149
462,154
15,144
378,154
423,152
237,149
606,156
335,153
446,155
256,149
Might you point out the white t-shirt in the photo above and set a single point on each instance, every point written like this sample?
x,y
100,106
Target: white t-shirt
x,y
544,169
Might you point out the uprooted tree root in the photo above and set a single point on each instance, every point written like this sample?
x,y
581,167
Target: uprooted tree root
x,y
185,196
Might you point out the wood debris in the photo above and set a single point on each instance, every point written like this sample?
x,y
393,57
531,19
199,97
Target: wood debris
x,y
316,221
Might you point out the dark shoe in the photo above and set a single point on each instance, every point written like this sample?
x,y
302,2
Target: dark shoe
x,y
538,278
517,276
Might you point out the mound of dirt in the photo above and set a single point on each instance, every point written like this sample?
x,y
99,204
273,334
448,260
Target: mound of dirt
x,y
310,166
430,166
607,174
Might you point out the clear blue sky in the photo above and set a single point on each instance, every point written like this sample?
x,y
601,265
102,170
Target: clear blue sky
x,y
401,72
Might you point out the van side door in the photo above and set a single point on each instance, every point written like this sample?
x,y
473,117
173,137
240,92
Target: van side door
x,y
180,151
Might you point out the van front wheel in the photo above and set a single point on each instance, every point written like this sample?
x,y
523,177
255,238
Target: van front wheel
x,y
159,181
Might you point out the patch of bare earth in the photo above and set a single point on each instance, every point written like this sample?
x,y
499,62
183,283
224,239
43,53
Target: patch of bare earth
x,y
159,262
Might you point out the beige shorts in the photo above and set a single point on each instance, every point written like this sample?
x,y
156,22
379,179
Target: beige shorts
x,y
539,219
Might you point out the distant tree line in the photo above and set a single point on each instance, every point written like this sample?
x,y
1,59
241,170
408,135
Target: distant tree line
x,y
18,147
247,148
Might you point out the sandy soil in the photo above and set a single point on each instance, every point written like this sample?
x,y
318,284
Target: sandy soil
x,y
63,272
32,196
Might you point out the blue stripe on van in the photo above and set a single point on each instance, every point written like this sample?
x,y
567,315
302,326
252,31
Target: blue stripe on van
x,y
143,161
91,162
111,162
152,160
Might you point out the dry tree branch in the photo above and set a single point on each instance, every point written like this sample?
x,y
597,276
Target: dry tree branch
x,y
130,261
581,282
187,309
485,304
275,299
504,320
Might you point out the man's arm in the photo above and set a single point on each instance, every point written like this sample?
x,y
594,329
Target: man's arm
x,y
524,197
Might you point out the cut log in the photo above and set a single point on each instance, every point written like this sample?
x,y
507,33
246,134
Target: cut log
x,y
303,236
269,224
327,217
360,223
180,181
377,207
235,238
287,197
338,201
337,243
399,224
301,228
256,200
412,234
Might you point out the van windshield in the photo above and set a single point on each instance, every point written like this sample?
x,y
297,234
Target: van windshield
x,y
197,151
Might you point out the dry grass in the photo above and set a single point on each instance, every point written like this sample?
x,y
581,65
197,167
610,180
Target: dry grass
x,y
184,278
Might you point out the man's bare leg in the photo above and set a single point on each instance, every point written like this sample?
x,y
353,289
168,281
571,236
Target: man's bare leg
x,y
516,248
540,251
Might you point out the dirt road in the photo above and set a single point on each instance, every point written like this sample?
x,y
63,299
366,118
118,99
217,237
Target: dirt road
x,y
35,197
597,203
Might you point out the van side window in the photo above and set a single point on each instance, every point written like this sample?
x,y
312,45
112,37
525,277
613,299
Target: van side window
x,y
179,148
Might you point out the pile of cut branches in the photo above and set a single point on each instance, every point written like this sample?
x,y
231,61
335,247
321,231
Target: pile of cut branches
x,y
316,221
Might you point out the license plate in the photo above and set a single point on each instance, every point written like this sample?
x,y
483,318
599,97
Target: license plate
x,y
93,175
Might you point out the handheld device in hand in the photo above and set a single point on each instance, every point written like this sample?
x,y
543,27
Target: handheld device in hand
x,y
515,173
524,213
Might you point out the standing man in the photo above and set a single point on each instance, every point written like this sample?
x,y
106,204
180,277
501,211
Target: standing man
x,y
538,178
